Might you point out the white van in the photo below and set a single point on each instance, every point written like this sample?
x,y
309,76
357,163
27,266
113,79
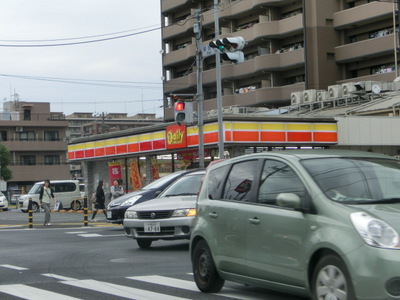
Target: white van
x,y
65,191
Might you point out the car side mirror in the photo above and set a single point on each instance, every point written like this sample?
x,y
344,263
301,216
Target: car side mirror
x,y
288,200
157,193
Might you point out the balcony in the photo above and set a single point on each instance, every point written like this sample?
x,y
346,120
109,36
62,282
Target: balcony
x,y
31,146
365,49
185,27
268,95
168,5
39,172
180,55
363,14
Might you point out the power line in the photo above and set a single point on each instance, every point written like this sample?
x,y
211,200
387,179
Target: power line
x,y
82,42
79,38
97,82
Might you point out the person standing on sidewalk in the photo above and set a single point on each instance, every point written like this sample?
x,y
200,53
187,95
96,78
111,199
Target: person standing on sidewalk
x,y
117,189
46,197
100,200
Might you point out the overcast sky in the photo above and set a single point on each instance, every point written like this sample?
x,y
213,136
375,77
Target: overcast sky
x,y
104,67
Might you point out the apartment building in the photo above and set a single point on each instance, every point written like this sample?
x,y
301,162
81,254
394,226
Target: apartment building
x,y
35,136
292,45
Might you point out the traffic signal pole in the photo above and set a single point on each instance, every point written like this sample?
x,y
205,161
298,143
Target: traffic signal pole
x,y
200,96
219,86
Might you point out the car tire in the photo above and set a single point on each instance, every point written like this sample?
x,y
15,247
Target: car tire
x,y
204,272
76,205
331,278
144,243
35,207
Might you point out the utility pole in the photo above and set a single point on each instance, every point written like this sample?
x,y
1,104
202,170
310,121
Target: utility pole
x,y
219,87
200,97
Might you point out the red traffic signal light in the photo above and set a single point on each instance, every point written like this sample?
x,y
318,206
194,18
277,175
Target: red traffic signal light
x,y
179,106
183,112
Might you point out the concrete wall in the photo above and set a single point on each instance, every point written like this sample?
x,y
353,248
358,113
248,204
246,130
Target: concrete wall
x,y
378,134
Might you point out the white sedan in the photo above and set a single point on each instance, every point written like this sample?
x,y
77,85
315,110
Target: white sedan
x,y
3,202
170,216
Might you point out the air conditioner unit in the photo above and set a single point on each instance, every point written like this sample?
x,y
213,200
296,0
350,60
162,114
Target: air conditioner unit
x,y
228,110
367,85
212,112
348,88
19,129
296,98
335,91
321,95
309,96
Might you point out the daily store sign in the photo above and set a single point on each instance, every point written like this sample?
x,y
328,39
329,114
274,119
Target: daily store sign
x,y
186,138
176,137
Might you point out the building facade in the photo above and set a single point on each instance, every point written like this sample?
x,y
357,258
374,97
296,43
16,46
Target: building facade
x,y
292,45
36,138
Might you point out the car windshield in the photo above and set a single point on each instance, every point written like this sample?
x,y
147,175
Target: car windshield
x,y
357,180
160,182
186,185
36,188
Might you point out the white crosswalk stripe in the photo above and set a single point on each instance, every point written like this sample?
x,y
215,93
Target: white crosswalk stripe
x,y
32,293
119,290
127,292
191,286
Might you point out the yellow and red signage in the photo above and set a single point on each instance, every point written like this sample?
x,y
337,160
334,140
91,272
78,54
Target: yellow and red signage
x,y
176,137
235,132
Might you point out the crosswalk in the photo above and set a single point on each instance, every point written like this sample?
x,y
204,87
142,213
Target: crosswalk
x,y
133,287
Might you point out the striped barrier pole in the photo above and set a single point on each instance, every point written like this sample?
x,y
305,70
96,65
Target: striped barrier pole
x,y
85,211
30,213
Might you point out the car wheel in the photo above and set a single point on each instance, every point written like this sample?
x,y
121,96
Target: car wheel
x,y
35,207
331,280
5,209
76,205
205,274
144,243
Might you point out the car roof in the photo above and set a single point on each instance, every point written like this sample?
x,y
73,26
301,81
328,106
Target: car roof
x,y
304,154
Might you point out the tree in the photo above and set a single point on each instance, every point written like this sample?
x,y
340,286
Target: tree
x,y
5,156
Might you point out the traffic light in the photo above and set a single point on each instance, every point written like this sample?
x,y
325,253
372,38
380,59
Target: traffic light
x,y
183,112
230,48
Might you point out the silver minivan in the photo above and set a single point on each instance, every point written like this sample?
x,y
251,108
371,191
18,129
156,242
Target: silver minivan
x,y
319,223
67,192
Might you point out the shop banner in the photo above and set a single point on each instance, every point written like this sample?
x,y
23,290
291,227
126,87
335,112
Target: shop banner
x,y
135,175
114,171
154,168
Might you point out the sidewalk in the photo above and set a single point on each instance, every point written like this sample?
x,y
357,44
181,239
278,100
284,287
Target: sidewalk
x,y
15,218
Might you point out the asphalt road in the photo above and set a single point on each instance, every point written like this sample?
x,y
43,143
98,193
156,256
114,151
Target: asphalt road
x,y
72,261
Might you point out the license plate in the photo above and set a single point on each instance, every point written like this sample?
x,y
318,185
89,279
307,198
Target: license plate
x,y
109,214
152,227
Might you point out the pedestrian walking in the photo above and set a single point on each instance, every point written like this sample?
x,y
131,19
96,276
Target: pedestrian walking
x,y
117,189
100,200
46,197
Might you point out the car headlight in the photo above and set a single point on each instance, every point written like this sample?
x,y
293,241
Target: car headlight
x,y
131,214
375,232
187,212
131,201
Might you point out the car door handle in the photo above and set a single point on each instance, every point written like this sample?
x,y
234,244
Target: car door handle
x,y
213,215
255,221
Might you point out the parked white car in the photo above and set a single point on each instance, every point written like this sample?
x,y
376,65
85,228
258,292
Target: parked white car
x,y
3,202
66,192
